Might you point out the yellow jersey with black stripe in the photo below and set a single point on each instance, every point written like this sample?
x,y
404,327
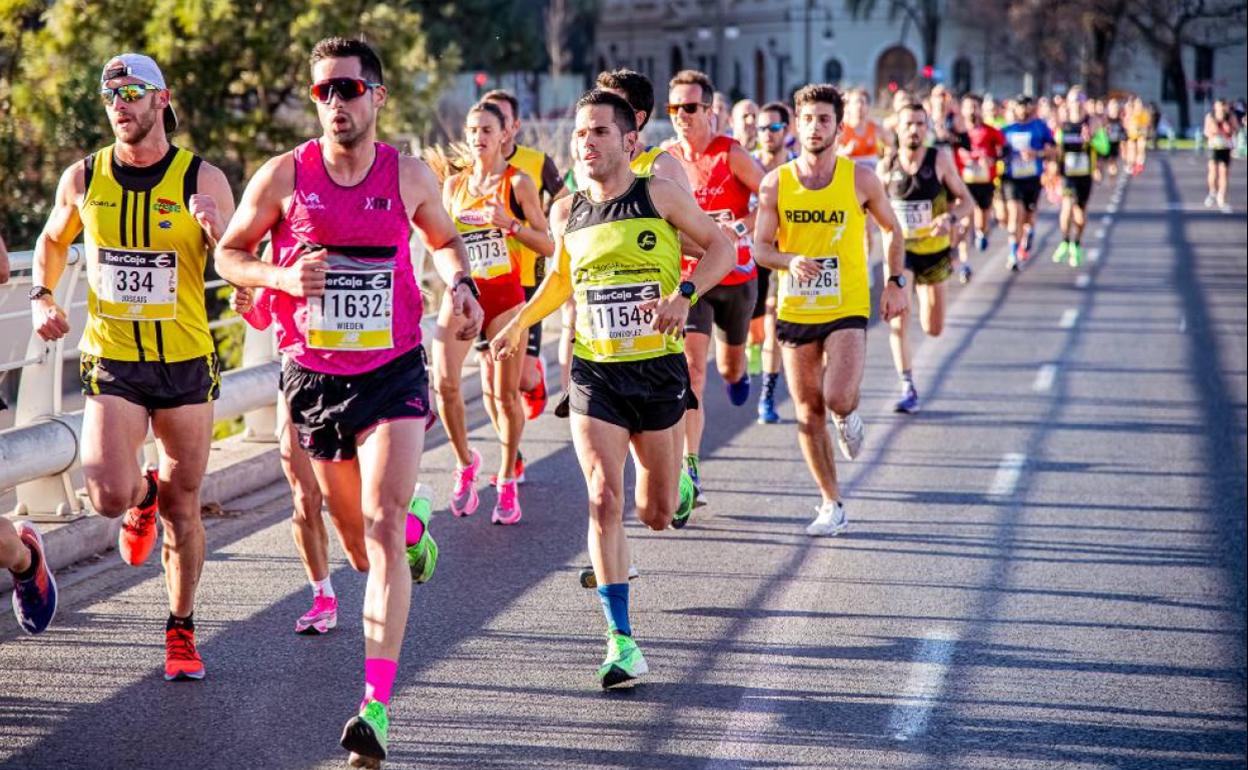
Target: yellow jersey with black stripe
x,y
917,200
146,256
827,225
532,162
643,164
620,254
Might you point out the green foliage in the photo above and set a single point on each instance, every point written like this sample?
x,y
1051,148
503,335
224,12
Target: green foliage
x,y
491,35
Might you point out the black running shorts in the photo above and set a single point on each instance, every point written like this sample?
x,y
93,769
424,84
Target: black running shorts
x,y
794,335
639,396
152,384
728,309
1079,188
1025,191
981,193
930,268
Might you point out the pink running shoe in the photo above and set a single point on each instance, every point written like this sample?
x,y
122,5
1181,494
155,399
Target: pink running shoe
x,y
507,509
464,499
318,620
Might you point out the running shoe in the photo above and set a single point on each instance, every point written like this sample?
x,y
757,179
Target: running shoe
x,y
739,391
624,661
366,735
320,619
767,414
1226,209
182,660
422,555
517,472
688,501
464,498
1210,201
754,359
849,434
1076,255
1059,254
1029,240
535,400
691,468
830,520
588,579
964,274
1012,260
909,402
137,537
34,599
507,509
564,407
983,241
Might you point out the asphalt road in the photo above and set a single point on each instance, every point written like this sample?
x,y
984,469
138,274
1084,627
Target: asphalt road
x,y
1045,569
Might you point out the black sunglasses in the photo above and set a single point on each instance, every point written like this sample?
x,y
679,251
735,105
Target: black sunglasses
x,y
688,108
346,88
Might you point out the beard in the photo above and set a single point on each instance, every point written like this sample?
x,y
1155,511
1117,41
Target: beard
x,y
914,143
350,135
814,148
138,130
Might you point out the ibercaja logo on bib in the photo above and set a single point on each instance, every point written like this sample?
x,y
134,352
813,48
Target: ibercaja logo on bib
x,y
646,240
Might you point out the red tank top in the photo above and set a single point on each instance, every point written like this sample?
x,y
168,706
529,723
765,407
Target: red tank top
x,y
720,194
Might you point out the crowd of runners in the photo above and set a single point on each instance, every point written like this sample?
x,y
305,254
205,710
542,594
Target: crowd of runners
x,y
746,238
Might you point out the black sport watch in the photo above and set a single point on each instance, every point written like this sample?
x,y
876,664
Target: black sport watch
x,y
899,279
471,284
688,291
38,291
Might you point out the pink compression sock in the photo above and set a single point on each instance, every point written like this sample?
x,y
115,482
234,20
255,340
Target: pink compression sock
x,y
379,678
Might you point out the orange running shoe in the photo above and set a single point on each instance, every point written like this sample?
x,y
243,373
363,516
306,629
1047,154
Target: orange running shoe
x,y
137,537
535,400
182,660
517,472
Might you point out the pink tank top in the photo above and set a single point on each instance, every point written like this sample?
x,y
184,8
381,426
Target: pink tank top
x,y
371,310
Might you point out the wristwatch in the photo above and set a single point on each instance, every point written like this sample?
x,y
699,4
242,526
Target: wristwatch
x,y
38,291
471,284
898,279
514,227
688,291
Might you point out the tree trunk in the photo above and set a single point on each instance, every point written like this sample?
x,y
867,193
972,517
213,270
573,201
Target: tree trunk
x,y
1177,75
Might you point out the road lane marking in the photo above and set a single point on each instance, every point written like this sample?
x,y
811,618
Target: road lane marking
x,y
1070,316
1106,221
1008,472
1083,280
1094,254
924,686
1100,233
1044,378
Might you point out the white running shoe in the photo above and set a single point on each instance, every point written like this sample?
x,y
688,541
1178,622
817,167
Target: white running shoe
x,y
830,521
849,434
1210,201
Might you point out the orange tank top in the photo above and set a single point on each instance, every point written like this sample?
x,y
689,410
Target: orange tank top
x,y
858,143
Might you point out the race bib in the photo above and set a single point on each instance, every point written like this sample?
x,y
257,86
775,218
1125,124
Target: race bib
x,y
976,172
612,322
357,310
1219,143
915,217
1021,169
138,284
487,253
1077,164
822,292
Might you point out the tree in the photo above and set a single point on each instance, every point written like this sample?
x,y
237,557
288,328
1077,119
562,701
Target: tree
x,y
925,15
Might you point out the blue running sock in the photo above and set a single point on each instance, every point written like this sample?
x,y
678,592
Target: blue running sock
x,y
769,384
614,598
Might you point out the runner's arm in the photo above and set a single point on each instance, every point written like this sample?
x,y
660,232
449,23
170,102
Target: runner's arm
x,y
669,168
258,211
679,208
767,223
535,235
745,168
553,292
213,205
419,186
63,226
948,171
4,262
874,201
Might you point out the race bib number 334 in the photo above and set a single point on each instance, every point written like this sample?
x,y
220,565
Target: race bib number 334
x,y
355,312
138,284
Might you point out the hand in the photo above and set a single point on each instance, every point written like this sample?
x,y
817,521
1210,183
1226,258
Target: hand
x,y
4,265
670,313
804,268
509,341
306,277
940,225
48,319
242,300
893,301
499,216
465,305
204,209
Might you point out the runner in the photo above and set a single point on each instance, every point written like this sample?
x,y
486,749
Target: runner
x,y
722,113
723,177
491,202
763,354
348,318
745,124
149,212
811,216
1221,128
1115,133
1139,128
618,253
860,139
1077,162
1027,141
979,172
541,169
921,181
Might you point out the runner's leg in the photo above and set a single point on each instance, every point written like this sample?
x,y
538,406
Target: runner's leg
x,y
113,432
448,364
803,370
602,447
932,308
184,438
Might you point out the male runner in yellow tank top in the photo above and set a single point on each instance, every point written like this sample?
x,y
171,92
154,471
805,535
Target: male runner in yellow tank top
x,y
811,217
150,213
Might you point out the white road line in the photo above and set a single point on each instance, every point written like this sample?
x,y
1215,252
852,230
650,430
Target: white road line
x,y
1045,378
1100,233
1070,316
1083,280
924,686
1106,221
1008,473
1183,322
1094,255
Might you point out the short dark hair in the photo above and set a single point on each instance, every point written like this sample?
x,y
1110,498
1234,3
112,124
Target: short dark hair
x,y
912,107
821,93
694,78
973,97
779,107
637,89
345,48
502,95
492,109
625,117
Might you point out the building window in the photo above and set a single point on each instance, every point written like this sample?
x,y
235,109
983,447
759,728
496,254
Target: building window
x,y
677,61
961,75
833,72
896,68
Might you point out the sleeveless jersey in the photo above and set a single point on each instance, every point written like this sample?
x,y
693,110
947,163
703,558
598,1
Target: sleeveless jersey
x,y
859,145
1114,130
146,256
1223,137
917,199
370,312
828,225
531,162
643,164
723,196
1076,151
493,256
621,254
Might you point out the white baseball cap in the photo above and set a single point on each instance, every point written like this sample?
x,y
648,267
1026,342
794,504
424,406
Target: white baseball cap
x,y
136,65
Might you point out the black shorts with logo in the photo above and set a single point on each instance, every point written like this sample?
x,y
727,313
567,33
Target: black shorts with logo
x,y
1025,191
981,192
726,308
795,335
1079,188
152,384
639,396
330,410
1222,155
930,268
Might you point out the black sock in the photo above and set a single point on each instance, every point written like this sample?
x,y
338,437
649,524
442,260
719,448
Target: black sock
x,y
32,570
769,384
187,623
150,497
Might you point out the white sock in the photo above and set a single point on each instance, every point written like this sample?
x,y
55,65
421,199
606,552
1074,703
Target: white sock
x,y
323,588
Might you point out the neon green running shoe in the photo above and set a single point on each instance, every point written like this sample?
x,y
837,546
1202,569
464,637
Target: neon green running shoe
x,y
624,661
365,734
422,556
1076,255
1060,254
688,496
754,359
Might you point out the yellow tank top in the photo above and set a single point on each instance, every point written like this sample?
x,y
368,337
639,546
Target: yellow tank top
x,y
828,225
491,252
643,164
531,162
146,256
